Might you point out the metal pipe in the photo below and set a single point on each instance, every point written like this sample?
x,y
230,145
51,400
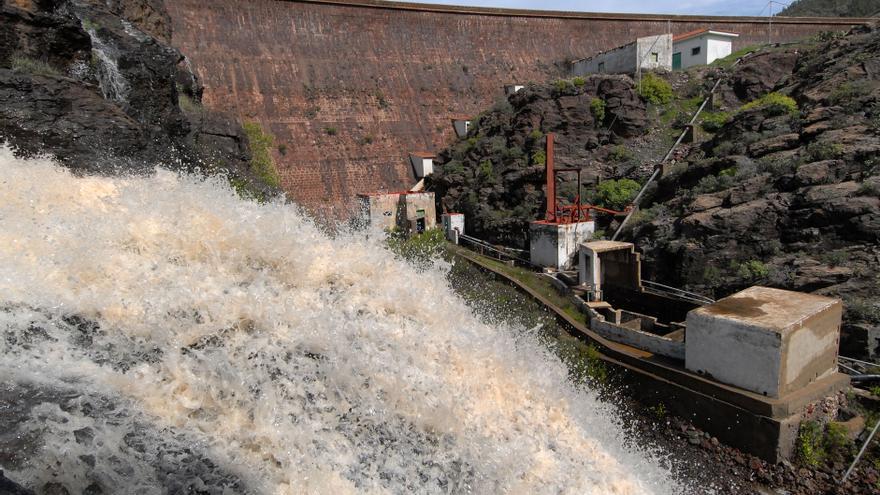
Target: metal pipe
x,y
859,456
864,378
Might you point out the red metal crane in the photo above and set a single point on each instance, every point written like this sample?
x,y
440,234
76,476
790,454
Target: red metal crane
x,y
573,213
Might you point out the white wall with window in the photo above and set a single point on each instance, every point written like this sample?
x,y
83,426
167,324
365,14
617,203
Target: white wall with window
x,y
700,47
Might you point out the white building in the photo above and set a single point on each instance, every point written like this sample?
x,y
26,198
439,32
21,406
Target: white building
x,y
422,163
647,53
700,47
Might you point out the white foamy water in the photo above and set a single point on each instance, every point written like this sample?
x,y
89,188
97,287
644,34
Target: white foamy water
x,y
160,333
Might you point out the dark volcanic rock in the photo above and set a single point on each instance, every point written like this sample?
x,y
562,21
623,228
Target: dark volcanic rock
x,y
787,200
496,175
96,84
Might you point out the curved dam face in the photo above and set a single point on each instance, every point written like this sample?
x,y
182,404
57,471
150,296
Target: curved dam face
x,y
349,88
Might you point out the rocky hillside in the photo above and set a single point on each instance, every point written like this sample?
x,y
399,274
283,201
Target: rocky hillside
x,y
496,175
782,187
97,85
787,192
832,8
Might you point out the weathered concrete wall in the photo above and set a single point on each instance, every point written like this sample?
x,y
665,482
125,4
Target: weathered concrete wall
x,y
387,77
627,58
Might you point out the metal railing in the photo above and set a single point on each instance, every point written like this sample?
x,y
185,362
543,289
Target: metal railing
x,y
665,290
484,246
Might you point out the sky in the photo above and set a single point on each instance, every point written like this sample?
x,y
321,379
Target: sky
x,y
706,7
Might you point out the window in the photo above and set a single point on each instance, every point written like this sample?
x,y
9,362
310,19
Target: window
x,y
695,51
654,57
601,66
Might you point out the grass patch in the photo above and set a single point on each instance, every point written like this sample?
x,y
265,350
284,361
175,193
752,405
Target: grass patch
x,y
773,104
714,121
262,165
731,59
21,63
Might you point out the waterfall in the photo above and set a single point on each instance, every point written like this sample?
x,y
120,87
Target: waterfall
x,y
112,82
159,334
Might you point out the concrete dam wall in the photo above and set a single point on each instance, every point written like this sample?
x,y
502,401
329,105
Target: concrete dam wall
x,y
349,88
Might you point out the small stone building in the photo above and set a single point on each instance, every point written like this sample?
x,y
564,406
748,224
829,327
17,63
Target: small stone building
x,y
411,212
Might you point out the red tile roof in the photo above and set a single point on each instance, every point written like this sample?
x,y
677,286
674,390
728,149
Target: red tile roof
x,y
691,34
423,154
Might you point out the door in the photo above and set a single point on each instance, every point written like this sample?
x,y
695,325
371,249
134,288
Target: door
x,y
676,61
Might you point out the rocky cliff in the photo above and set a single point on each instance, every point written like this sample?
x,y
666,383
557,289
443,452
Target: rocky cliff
x,y
781,188
787,192
97,85
350,87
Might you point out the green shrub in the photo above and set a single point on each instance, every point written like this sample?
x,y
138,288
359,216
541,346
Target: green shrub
x,y
21,63
616,194
862,309
655,89
849,92
381,101
330,131
773,104
753,270
809,444
368,139
485,170
282,148
579,81
728,172
260,144
824,151
714,121
562,87
539,157
535,135
597,108
620,153
869,189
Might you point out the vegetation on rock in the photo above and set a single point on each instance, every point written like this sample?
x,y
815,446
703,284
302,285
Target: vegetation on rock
x,y
616,194
655,89
261,144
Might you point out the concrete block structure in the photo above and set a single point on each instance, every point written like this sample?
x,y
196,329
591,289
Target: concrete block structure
x,y
555,245
510,89
646,53
700,47
453,226
461,124
614,261
422,163
769,341
412,212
